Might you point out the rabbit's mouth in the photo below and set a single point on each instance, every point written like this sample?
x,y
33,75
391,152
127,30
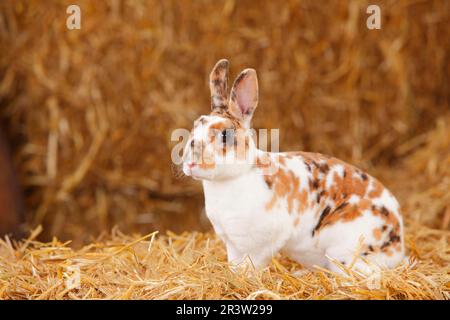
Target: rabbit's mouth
x,y
197,172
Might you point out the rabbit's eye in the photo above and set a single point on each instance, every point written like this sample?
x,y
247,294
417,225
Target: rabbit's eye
x,y
227,136
224,136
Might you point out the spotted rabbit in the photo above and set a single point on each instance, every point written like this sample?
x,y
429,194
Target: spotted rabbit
x,y
316,209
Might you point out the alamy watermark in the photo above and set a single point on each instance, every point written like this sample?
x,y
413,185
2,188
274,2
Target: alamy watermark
x,y
72,277
374,20
223,147
74,19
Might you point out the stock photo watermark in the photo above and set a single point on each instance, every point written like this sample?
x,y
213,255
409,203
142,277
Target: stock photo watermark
x,y
73,21
374,20
206,148
72,277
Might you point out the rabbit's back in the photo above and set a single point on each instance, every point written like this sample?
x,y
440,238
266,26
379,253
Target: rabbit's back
x,y
331,202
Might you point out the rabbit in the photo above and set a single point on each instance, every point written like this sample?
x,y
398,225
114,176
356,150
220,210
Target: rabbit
x,y
316,209
12,205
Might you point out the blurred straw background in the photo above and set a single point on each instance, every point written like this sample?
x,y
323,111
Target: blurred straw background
x,y
89,112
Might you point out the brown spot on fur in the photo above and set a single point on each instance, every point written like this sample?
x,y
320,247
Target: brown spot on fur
x,y
236,123
324,168
207,166
265,163
303,200
354,186
377,233
271,203
216,127
286,187
377,189
269,181
207,163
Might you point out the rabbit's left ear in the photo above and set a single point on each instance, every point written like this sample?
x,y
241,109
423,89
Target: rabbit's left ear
x,y
218,85
244,96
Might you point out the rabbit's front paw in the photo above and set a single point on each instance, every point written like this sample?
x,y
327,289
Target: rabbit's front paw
x,y
243,262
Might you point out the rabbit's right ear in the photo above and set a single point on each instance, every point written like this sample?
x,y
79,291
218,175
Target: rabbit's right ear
x,y
218,85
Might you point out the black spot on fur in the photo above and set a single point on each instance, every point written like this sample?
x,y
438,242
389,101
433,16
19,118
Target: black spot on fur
x,y
320,195
233,95
364,176
393,237
384,245
315,184
217,82
324,168
341,206
239,78
324,213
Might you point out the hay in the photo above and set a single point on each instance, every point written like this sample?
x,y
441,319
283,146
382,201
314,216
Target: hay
x,y
193,266
90,111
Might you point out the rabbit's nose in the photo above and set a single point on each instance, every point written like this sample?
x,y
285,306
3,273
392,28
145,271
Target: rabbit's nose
x,y
191,164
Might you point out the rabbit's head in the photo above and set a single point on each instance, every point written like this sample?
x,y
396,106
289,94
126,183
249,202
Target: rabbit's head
x,y
220,145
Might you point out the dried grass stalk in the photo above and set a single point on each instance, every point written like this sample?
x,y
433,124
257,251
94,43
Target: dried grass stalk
x,y
193,266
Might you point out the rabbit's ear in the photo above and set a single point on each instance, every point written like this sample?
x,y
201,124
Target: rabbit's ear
x,y
244,96
218,84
